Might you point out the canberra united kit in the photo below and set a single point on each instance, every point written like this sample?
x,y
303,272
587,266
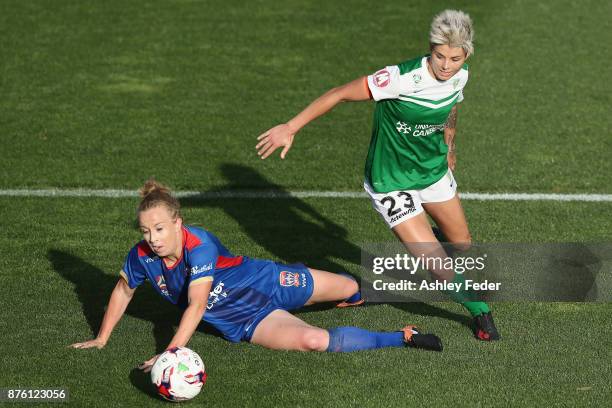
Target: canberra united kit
x,y
244,290
407,151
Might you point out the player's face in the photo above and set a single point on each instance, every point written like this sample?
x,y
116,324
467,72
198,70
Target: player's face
x,y
162,233
445,61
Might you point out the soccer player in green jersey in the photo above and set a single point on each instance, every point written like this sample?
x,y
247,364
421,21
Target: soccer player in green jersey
x,y
409,166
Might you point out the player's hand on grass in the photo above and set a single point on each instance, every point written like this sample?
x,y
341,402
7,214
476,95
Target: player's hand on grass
x,y
97,343
148,365
451,157
272,139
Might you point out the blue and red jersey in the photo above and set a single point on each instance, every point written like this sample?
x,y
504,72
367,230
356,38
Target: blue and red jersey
x,y
242,287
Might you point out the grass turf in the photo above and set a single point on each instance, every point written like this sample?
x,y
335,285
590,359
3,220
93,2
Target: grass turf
x,y
106,94
93,93
64,262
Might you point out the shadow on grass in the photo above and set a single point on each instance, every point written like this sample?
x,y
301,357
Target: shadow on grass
x,y
294,231
289,228
417,308
142,381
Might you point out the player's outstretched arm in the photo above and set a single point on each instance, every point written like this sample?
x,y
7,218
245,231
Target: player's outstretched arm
x,y
283,135
192,316
120,298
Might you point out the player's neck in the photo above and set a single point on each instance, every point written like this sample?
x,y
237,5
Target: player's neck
x,y
173,258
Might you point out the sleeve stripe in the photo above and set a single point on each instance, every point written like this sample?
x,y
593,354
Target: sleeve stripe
x,y
203,279
124,276
367,86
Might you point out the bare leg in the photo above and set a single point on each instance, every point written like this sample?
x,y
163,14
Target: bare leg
x,y
450,218
280,330
330,287
416,234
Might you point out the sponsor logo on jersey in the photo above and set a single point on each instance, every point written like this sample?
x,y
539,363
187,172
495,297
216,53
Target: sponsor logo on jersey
x,y
199,269
382,78
216,295
401,215
426,130
403,127
161,284
417,78
419,130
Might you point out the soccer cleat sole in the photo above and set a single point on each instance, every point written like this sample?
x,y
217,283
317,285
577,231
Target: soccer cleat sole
x,y
353,304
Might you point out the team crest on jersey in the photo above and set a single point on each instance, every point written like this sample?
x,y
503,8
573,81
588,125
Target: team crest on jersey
x,y
417,78
161,283
382,78
292,279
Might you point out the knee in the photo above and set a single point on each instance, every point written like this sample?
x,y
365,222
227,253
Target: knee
x,y
462,243
350,288
314,339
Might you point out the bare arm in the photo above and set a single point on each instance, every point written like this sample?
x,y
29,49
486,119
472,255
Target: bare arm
x,y
192,316
356,90
449,137
119,300
282,135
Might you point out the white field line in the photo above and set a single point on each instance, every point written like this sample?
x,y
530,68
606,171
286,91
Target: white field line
x,y
253,194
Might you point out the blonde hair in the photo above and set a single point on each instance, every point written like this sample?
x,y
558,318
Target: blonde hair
x,y
153,194
452,28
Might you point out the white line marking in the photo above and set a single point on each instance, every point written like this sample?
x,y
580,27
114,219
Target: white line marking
x,y
113,193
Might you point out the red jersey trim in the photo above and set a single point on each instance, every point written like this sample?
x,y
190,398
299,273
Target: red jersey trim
x,y
227,261
190,240
368,87
144,249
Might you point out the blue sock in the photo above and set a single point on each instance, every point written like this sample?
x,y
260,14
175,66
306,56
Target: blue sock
x,y
357,296
347,339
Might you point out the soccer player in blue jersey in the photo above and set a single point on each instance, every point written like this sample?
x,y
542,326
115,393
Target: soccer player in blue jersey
x,y
246,299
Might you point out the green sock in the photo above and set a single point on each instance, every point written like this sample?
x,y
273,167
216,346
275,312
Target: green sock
x,y
466,298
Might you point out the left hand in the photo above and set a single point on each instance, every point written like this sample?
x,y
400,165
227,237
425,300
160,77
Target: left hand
x,y
451,157
148,365
279,136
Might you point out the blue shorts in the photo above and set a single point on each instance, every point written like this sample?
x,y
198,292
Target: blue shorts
x,y
295,287
243,296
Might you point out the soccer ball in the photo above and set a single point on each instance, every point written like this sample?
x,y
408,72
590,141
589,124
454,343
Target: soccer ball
x,y
178,374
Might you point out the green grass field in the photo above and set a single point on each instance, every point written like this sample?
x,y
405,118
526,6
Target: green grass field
x,y
105,94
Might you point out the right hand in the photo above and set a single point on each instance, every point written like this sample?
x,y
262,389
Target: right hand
x,y
148,365
272,139
97,343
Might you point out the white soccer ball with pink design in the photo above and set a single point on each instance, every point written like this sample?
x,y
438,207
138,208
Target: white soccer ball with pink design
x,y
178,374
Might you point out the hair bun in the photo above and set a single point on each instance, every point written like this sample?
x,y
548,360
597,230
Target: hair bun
x,y
152,186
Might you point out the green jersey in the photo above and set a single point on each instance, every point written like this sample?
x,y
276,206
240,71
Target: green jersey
x,y
407,150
